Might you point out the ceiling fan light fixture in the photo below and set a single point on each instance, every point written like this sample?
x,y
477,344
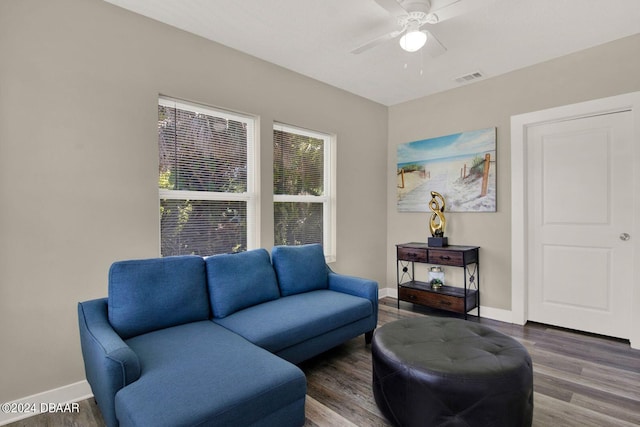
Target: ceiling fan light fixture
x,y
413,40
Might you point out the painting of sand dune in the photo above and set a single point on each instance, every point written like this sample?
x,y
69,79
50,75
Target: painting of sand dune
x,y
461,167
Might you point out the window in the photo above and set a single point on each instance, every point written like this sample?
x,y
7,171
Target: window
x,y
304,188
208,199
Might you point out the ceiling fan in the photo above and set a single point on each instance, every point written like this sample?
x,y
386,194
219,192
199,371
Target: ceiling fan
x,y
413,17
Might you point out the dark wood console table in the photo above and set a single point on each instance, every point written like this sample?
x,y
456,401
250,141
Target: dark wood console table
x,y
450,298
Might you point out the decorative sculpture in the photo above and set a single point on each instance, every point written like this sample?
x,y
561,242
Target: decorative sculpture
x,y
437,221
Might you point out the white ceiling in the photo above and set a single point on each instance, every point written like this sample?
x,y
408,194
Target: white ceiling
x,y
316,37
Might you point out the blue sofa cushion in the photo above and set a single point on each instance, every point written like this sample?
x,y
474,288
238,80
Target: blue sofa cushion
x,y
240,280
300,268
281,323
202,374
146,295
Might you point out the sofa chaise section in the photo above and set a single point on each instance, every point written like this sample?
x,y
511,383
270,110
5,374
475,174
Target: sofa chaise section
x,y
203,374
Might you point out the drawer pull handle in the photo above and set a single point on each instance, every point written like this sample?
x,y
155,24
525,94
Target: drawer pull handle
x,y
445,257
412,297
445,303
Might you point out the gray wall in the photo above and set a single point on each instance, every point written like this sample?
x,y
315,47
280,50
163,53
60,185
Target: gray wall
x,y
602,71
79,83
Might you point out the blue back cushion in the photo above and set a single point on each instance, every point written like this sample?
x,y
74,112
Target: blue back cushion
x,y
147,295
240,280
300,268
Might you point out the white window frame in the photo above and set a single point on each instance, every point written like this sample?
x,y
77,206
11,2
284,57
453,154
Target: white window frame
x,y
328,199
252,195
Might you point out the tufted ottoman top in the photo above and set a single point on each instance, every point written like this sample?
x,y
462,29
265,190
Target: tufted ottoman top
x,y
435,371
450,347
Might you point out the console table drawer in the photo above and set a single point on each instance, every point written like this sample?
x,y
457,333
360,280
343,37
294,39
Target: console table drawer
x,y
432,299
413,254
446,257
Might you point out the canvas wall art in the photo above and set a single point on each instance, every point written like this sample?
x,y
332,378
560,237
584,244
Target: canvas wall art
x,y
461,167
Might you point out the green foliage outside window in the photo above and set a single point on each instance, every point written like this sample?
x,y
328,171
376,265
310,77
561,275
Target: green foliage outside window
x,y
298,170
201,153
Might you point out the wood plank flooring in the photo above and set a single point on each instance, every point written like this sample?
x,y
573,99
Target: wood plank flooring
x,y
580,380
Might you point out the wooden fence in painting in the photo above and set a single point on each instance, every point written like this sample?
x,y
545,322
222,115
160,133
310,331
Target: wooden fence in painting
x,y
485,174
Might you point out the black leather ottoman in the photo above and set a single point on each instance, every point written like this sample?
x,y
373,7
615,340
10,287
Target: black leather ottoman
x,y
449,372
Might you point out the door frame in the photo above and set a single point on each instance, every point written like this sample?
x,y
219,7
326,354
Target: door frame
x,y
519,196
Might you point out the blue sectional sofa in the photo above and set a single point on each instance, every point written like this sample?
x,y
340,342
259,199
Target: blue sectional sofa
x,y
192,341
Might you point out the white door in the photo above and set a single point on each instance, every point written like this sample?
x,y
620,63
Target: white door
x,y
580,267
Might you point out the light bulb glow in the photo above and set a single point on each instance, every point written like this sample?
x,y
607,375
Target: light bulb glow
x,y
412,41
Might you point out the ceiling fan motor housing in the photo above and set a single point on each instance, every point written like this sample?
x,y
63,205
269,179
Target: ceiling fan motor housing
x,y
416,6
413,20
418,14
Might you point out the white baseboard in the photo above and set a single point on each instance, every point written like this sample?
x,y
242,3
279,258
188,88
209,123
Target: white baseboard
x,y
38,403
487,312
492,313
387,292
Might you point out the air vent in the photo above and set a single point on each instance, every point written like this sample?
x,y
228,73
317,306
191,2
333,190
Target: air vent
x,y
469,77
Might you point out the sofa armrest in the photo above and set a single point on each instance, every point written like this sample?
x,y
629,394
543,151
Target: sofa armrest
x,y
356,286
110,364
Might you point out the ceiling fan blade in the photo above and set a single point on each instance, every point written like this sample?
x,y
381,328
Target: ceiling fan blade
x,y
458,7
376,42
433,46
392,6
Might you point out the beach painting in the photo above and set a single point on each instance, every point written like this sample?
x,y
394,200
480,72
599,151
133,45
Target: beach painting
x,y
461,167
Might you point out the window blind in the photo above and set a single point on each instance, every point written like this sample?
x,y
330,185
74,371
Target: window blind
x,y
302,183
205,179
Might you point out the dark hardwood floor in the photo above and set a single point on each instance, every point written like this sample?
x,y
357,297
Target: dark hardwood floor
x,y
580,380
